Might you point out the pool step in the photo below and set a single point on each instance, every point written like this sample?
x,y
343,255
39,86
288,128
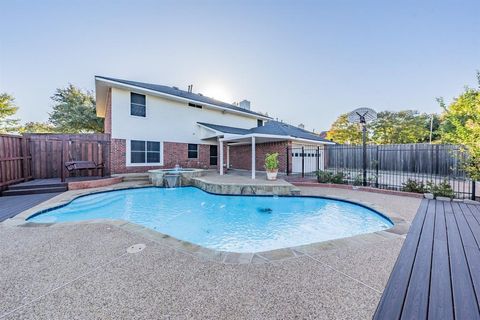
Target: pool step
x,y
295,192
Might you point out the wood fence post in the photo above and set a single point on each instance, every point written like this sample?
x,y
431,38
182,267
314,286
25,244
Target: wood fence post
x,y
24,158
63,159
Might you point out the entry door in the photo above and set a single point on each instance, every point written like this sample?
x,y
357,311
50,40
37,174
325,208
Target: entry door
x,y
213,155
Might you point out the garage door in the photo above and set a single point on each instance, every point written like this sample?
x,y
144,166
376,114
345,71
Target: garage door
x,y
310,159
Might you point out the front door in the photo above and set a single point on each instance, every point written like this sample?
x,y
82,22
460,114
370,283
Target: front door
x,y
213,155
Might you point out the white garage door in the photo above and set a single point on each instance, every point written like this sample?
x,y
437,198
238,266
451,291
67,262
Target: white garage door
x,y
310,158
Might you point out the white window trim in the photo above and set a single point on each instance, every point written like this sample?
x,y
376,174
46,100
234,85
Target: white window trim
x,y
145,164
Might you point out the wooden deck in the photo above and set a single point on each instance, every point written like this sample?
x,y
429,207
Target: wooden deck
x,y
437,273
13,205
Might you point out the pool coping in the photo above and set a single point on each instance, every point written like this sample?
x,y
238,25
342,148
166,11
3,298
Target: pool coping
x,y
399,229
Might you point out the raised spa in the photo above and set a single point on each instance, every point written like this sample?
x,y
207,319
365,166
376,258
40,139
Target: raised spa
x,y
226,223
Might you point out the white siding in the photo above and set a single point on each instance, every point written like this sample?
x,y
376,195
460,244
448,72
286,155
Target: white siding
x,y
167,120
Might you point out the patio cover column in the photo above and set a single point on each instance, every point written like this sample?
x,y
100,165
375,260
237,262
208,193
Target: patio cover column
x,y
220,145
253,157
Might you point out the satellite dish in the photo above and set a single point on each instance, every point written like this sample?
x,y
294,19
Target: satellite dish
x,y
362,115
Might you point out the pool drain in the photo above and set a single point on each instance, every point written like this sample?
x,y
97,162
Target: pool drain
x,y
136,248
264,210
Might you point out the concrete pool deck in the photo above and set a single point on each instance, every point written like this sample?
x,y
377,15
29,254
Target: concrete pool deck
x,y
82,270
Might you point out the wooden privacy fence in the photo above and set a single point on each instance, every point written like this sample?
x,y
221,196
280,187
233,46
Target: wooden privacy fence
x,y
396,165
433,159
15,160
43,156
51,151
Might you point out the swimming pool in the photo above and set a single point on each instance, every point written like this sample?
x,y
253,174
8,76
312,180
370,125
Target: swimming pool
x,y
227,223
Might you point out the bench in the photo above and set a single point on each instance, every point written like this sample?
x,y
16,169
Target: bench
x,y
84,165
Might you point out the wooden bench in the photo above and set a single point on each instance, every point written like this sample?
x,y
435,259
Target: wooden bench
x,y
437,273
73,166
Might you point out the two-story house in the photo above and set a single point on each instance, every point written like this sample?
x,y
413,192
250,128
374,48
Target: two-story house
x,y
156,126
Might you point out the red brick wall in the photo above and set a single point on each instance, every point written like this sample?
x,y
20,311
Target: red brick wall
x,y
177,153
173,153
241,156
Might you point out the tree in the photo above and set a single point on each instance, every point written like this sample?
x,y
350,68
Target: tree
x,y
37,127
74,111
344,132
461,119
7,109
408,126
461,125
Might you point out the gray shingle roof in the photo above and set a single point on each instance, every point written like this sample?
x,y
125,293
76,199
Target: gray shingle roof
x,y
271,127
280,128
225,129
183,94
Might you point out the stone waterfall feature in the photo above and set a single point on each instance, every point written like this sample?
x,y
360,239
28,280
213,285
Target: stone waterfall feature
x,y
171,180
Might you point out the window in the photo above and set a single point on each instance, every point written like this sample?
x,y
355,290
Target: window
x,y
144,151
192,151
195,105
137,105
213,155
153,152
259,122
137,150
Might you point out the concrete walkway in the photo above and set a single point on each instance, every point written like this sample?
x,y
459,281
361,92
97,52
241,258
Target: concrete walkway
x,y
83,271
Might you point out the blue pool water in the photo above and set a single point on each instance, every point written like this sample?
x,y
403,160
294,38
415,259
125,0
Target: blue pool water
x,y
228,223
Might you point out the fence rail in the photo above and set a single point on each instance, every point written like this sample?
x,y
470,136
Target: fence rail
x,y
392,166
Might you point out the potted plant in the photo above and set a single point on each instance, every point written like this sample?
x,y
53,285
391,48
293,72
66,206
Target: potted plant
x,y
271,165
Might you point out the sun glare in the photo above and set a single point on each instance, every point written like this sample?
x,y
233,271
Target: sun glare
x,y
218,92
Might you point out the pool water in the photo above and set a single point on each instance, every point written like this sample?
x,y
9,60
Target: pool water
x,y
228,223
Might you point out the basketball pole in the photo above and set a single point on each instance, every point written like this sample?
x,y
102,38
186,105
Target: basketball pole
x,y
364,139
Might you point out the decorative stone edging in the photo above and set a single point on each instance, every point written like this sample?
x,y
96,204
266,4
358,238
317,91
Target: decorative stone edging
x,y
399,229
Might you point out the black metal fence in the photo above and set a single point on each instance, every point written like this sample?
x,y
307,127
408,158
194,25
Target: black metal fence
x,y
404,167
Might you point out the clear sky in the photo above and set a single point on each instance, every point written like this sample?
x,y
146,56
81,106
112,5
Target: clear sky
x,y
301,61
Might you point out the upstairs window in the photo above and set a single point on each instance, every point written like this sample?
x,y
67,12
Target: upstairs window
x,y
144,151
137,105
259,122
192,151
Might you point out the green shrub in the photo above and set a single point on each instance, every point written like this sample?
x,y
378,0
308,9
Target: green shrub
x,y
330,177
271,161
324,176
338,178
358,181
412,185
443,189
